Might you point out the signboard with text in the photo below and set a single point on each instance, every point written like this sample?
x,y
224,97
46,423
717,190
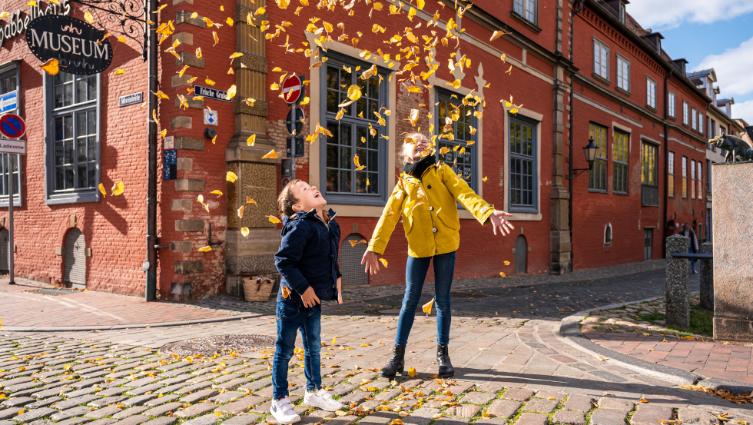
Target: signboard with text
x,y
79,48
210,93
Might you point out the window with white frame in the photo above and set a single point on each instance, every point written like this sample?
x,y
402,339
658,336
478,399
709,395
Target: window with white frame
x,y
597,180
620,158
692,179
700,180
671,104
356,130
671,175
693,119
9,89
685,113
72,103
523,163
601,59
700,122
527,10
651,93
684,172
623,73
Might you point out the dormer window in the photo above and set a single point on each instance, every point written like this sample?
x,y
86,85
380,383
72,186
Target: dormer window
x,y
621,12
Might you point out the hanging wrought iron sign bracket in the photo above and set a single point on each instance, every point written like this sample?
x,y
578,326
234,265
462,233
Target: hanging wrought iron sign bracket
x,y
127,18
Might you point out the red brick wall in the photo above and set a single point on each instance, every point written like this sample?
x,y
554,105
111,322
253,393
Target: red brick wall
x,y
115,227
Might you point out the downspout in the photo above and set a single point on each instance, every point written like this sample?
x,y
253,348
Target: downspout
x,y
150,39
570,173
666,163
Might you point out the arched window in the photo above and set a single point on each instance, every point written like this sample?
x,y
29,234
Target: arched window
x,y
608,234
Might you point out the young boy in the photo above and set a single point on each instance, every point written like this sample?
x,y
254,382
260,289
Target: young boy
x,y
307,262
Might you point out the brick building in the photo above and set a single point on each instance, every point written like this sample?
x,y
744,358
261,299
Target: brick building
x,y
581,70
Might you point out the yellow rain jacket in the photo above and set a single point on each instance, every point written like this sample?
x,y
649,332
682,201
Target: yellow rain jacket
x,y
429,210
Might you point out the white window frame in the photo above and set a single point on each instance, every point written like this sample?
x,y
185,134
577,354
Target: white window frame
x,y
623,73
17,186
671,104
700,122
693,118
527,9
692,179
685,112
650,92
601,59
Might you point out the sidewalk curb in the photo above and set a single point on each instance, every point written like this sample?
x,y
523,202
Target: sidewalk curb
x,y
570,330
128,326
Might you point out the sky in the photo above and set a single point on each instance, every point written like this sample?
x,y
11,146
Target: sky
x,y
709,34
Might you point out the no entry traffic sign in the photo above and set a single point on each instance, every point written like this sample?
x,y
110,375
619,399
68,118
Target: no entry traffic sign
x,y
292,89
12,126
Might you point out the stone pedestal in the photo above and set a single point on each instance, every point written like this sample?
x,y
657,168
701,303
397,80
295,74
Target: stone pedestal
x,y
733,251
676,286
707,278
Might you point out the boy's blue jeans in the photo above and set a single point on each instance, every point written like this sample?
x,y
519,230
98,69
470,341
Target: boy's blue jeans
x,y
415,274
291,317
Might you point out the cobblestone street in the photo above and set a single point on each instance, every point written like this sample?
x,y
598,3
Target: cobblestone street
x,y
513,367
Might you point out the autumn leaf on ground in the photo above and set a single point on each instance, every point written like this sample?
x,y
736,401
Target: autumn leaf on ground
x,y
51,67
118,188
274,220
384,262
231,177
643,400
426,308
412,372
273,154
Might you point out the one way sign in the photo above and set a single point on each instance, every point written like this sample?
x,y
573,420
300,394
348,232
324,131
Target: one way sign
x,y
210,116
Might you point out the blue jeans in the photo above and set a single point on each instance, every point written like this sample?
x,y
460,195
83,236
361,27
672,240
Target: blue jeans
x,y
292,316
415,274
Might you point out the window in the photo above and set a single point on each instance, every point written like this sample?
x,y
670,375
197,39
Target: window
x,y
460,138
526,9
712,128
700,122
608,234
708,179
620,153
623,73
692,179
621,12
685,113
598,174
700,180
651,93
358,132
649,175
523,184
671,104
601,59
9,84
684,170
671,175
694,119
72,103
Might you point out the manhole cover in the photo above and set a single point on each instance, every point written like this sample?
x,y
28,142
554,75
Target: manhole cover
x,y
52,291
222,344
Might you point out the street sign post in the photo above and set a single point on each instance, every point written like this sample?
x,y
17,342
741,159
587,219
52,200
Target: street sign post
x,y
292,92
12,126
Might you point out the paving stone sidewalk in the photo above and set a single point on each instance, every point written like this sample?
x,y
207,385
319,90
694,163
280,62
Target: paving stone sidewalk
x,y
626,331
513,368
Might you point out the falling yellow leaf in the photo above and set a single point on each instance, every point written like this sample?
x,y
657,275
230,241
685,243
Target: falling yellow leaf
x,y
119,71
274,87
241,210
250,140
245,231
384,262
198,53
273,154
272,219
502,274
89,18
484,179
205,248
208,81
121,38
118,188
231,91
51,67
426,308
250,201
340,114
496,35
420,4
283,4
413,117
354,92
357,162
231,177
506,262
216,192
412,372
102,190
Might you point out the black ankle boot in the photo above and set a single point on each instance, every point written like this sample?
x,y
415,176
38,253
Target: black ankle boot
x,y
396,364
443,360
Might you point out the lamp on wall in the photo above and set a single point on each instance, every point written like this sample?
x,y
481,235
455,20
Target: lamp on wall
x,y
589,151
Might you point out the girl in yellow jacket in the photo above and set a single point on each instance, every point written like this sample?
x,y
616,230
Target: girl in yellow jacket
x,y
426,197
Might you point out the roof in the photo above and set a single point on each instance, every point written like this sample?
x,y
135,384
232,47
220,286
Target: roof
x,y
724,102
703,73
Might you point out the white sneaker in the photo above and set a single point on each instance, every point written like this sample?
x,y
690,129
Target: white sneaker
x,y
323,400
283,411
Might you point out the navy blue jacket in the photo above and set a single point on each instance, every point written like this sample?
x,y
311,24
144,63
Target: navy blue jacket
x,y
308,255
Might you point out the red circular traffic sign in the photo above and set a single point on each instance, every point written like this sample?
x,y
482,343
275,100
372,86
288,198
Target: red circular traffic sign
x,y
292,89
12,126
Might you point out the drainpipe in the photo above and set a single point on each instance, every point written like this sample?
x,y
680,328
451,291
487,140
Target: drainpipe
x,y
665,199
150,39
570,173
